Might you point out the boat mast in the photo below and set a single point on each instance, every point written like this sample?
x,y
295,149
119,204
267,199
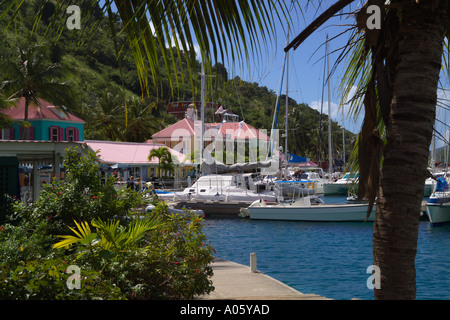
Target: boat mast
x,y
202,112
329,114
343,138
319,151
287,100
277,108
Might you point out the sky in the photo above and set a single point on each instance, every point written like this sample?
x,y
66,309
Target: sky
x,y
306,67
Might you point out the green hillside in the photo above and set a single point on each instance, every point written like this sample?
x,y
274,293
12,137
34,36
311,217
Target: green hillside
x,y
109,96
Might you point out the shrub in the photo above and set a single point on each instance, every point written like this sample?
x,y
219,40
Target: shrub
x,y
121,253
142,258
47,280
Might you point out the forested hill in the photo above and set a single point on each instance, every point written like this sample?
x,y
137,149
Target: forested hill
x,y
108,94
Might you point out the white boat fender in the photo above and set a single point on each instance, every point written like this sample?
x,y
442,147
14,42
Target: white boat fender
x,y
256,203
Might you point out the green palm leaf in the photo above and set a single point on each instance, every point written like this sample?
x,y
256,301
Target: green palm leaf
x,y
83,235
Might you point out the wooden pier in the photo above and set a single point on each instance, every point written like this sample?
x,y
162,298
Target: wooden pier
x,y
233,281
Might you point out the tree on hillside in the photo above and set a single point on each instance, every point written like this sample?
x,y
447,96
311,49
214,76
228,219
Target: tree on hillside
x,y
32,77
141,122
106,117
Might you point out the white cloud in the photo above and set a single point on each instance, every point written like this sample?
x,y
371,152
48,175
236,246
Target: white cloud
x,y
171,43
351,94
334,107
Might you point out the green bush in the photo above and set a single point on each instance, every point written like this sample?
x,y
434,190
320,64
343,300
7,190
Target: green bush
x,y
47,279
141,257
120,253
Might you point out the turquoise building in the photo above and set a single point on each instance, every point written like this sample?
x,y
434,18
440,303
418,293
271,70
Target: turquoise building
x,y
48,123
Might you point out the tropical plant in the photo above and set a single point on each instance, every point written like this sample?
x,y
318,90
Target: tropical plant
x,y
154,255
109,234
46,279
140,257
106,116
165,162
141,121
32,77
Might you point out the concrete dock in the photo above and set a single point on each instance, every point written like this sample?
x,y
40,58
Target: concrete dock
x,y
233,281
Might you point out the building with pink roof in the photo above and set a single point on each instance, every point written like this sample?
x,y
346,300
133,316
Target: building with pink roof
x,y
184,135
133,157
130,153
48,123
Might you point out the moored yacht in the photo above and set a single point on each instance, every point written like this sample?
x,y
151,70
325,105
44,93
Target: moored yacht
x,y
341,186
303,209
438,205
224,187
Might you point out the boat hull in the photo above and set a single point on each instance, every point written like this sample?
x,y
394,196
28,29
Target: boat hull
x,y
428,190
336,188
322,212
438,213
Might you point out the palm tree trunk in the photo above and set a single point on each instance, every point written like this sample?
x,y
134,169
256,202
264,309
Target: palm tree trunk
x,y
413,107
25,118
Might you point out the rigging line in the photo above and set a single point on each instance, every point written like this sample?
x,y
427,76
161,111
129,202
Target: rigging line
x,y
321,110
441,136
448,126
298,81
443,106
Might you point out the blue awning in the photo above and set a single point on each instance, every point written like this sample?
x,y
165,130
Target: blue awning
x,y
292,158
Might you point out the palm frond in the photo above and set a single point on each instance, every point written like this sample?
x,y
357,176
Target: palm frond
x,y
82,233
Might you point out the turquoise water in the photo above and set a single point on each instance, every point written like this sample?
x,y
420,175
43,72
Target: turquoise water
x,y
326,258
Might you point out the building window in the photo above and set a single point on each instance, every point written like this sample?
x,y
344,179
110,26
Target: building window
x,y
5,134
70,136
26,133
54,134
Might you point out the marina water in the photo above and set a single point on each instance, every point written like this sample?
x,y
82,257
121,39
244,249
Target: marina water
x,y
327,258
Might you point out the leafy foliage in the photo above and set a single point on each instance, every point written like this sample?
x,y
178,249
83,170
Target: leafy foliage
x,y
165,162
121,254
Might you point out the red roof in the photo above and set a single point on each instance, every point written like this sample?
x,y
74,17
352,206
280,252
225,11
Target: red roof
x,y
187,127
46,111
237,131
183,127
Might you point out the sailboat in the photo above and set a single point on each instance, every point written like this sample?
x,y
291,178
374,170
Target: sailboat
x,y
438,205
